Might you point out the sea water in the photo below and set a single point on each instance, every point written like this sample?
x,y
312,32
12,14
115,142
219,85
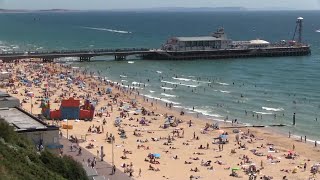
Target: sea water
x,y
252,90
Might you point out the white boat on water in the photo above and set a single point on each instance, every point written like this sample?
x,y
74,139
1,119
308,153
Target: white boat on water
x,y
318,30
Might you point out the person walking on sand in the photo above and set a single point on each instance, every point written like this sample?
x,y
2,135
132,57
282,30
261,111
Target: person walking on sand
x,y
139,172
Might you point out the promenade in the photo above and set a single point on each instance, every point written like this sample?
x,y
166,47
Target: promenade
x,y
102,167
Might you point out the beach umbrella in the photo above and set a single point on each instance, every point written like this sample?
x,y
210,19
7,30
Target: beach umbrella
x,y
235,168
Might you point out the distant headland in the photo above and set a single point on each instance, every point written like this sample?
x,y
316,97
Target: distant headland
x,y
155,9
164,9
30,11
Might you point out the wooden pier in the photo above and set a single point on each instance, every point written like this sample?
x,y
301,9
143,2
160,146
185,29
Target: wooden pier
x,y
83,55
148,54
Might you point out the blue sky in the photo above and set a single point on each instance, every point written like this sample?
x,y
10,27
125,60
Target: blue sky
x,y
132,4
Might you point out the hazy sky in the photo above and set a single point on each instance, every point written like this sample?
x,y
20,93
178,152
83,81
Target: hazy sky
x,y
131,4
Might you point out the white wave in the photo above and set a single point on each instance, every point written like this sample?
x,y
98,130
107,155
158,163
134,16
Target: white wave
x,y
168,101
135,87
168,95
224,84
207,82
130,62
207,113
181,79
123,76
257,112
137,83
201,111
109,30
151,91
167,88
161,99
191,76
224,91
159,72
272,109
124,80
175,83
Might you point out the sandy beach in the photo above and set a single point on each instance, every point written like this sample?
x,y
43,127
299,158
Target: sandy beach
x,y
143,148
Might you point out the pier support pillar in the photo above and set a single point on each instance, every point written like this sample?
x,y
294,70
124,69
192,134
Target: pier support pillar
x,y
85,59
120,57
47,60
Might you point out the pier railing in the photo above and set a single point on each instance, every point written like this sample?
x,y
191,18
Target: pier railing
x,y
84,51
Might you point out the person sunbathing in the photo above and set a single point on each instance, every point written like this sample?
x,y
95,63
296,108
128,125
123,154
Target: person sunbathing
x,y
187,162
195,169
219,162
151,167
210,168
124,157
196,158
127,152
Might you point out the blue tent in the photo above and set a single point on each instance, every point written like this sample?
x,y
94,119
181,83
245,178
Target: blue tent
x,y
156,155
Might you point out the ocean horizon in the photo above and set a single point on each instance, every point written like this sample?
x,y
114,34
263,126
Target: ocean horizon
x,y
259,91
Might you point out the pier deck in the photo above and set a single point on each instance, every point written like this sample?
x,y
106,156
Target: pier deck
x,y
149,54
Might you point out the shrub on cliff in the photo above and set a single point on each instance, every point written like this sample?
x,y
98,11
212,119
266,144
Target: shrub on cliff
x,y
20,160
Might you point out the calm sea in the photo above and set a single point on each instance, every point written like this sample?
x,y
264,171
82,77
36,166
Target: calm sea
x,y
253,90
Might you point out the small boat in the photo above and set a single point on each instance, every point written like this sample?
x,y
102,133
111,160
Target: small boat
x,y
318,30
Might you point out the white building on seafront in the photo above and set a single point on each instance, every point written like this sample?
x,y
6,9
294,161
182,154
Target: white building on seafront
x,y
217,41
